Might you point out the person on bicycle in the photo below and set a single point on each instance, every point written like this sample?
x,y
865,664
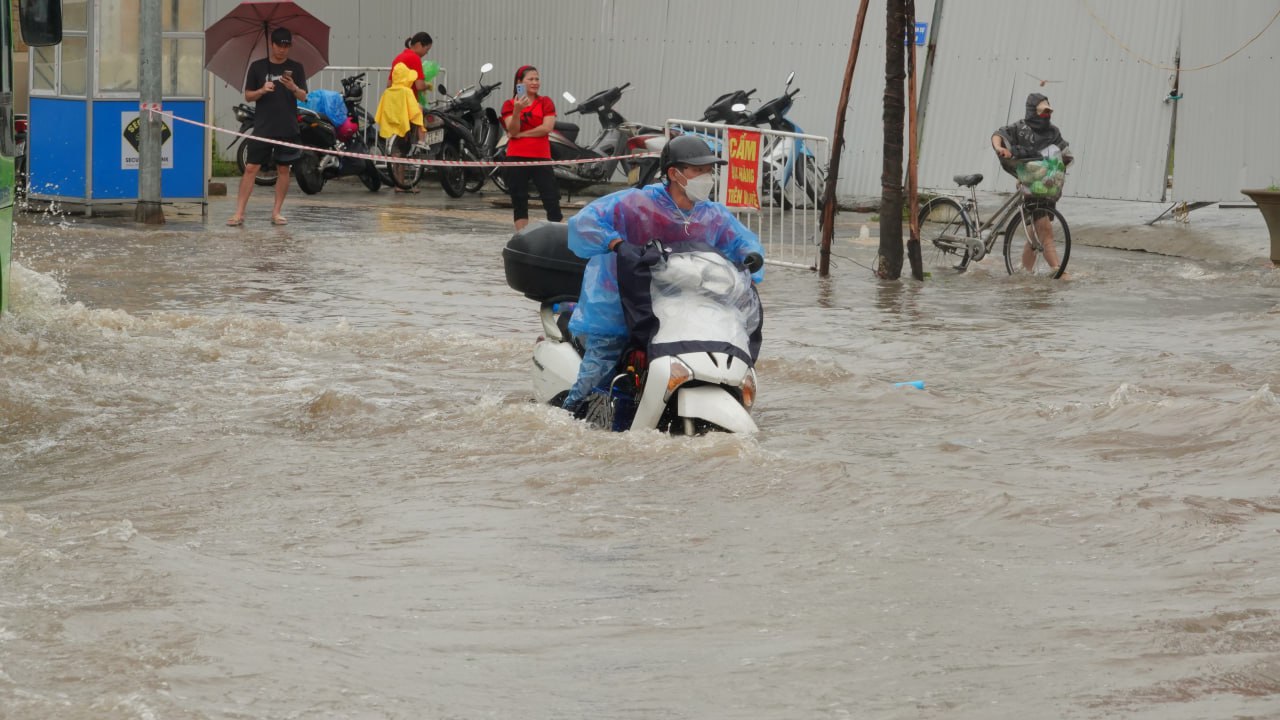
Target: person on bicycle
x,y
399,116
1026,139
675,211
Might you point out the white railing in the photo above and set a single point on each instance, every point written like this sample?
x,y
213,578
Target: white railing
x,y
789,180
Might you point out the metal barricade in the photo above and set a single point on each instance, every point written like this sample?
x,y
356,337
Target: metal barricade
x,y
789,178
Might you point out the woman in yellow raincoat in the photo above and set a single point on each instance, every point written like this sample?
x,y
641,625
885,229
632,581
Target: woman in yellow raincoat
x,y
399,113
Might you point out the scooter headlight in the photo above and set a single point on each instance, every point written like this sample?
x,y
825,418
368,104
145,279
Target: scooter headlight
x,y
680,374
749,390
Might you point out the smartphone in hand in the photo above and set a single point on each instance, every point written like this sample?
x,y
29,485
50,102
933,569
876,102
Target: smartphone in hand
x,y
520,90
288,74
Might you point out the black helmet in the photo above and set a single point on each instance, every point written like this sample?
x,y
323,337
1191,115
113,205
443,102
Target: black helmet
x,y
688,150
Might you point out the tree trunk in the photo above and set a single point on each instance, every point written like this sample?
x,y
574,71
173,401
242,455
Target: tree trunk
x,y
837,145
889,264
913,137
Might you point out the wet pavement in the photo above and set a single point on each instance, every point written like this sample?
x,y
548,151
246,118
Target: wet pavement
x,y
1218,234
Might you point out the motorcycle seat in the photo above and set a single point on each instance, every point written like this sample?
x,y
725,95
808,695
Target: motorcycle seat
x,y
568,130
562,323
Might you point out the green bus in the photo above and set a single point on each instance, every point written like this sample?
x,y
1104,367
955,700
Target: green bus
x,y
41,22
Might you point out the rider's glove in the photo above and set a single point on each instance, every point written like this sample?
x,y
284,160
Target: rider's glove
x,y
753,261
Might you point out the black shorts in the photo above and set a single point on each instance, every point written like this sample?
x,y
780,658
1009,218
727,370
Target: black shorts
x,y
260,153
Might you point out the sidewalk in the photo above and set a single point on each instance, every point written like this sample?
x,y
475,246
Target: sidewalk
x,y
1210,234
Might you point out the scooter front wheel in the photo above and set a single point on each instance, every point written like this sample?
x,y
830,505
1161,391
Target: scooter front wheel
x,y
452,178
476,176
498,173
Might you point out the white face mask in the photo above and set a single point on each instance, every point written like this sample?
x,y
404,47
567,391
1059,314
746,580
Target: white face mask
x,y
699,188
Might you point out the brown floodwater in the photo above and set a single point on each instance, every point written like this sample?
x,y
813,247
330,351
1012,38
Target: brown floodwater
x,y
297,473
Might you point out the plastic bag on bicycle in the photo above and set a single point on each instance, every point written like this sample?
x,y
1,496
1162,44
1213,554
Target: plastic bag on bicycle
x,y
1043,178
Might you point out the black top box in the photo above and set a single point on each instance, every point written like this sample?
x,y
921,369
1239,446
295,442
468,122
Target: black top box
x,y
539,263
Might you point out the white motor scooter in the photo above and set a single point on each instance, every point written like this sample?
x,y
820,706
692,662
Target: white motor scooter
x,y
696,374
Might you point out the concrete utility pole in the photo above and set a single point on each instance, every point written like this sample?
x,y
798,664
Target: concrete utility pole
x,y
149,210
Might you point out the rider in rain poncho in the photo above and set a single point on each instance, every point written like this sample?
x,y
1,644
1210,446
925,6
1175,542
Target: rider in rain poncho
x,y
676,211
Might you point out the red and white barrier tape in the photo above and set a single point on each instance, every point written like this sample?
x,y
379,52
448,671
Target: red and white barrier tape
x,y
398,160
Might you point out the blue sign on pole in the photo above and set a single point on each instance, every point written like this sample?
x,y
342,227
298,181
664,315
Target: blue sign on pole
x,y
922,29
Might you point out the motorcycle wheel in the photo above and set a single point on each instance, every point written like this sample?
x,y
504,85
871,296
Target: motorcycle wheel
x,y
310,179
370,177
378,149
498,177
266,174
475,176
452,179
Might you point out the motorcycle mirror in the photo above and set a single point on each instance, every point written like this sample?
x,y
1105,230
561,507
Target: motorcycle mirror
x,y
791,77
738,107
569,96
442,90
486,68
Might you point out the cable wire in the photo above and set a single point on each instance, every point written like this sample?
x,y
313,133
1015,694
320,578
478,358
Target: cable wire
x,y
1140,58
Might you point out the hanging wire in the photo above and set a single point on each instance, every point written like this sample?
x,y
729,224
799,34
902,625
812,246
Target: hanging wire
x,y
1140,58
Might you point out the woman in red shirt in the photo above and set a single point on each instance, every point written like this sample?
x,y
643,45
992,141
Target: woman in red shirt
x,y
415,48
528,119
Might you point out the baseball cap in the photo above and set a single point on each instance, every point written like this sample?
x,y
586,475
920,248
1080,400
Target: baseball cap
x,y
282,36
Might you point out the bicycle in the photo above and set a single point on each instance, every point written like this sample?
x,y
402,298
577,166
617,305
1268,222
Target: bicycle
x,y
958,236
404,176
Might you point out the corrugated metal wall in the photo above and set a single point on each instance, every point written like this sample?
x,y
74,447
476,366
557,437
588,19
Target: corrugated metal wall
x,y
681,54
1110,107
1227,119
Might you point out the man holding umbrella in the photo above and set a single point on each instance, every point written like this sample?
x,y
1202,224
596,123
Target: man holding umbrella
x,y
274,84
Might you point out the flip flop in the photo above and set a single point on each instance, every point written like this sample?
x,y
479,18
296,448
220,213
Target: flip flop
x,y
410,191
235,222
279,220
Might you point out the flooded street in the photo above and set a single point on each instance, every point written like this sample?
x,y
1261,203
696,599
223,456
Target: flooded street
x,y
297,472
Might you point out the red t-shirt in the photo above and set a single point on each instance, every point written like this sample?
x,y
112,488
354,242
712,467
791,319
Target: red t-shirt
x,y
411,59
530,147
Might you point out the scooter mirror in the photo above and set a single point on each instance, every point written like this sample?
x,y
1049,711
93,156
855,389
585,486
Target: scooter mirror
x,y
791,77
569,96
738,107
441,89
486,67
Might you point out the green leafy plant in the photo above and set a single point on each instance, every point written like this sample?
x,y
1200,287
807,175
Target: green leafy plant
x,y
222,168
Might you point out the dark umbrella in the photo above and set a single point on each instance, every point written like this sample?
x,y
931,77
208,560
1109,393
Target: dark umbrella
x,y
240,37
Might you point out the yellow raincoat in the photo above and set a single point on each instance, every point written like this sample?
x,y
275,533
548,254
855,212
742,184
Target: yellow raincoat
x,y
398,110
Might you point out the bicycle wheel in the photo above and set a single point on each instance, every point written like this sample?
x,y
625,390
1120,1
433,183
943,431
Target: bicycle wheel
x,y
1032,247
944,226
403,175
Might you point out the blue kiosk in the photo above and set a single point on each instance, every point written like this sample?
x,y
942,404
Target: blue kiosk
x,y
82,142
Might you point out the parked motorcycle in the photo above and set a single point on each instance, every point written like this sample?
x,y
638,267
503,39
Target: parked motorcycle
x,y
789,169
728,109
790,172
692,375
614,132
316,130
471,133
